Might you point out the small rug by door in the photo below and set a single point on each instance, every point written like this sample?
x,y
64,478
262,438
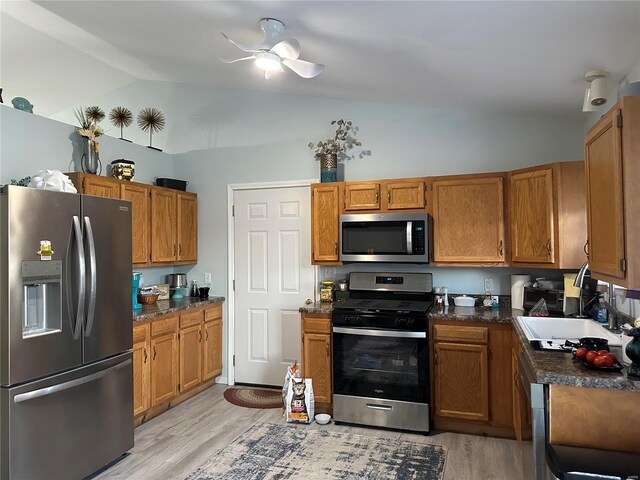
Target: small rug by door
x,y
269,452
254,397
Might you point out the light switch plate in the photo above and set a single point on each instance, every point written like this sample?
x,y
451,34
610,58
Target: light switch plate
x,y
330,272
207,277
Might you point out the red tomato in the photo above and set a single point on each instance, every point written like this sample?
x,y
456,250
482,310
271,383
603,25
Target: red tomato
x,y
602,352
591,355
581,353
601,361
611,357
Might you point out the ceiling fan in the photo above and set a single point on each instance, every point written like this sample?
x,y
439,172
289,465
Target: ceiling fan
x,y
273,52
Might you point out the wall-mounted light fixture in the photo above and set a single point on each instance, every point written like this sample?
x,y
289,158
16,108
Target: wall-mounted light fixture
x,y
596,94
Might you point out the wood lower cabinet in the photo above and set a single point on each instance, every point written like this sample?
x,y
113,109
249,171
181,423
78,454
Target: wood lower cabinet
x,y
141,369
138,195
464,204
316,357
547,216
472,377
164,356
325,201
174,358
612,158
521,407
361,196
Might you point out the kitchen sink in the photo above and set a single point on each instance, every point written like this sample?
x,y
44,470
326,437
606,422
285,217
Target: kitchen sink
x,y
553,330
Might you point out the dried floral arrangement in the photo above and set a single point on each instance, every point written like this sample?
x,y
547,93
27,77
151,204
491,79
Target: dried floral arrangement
x,y
342,141
88,119
121,117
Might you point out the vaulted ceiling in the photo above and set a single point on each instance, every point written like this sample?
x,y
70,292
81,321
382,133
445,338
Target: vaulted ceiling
x,y
510,56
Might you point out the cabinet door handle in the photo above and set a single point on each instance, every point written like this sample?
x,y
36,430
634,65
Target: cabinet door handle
x,y
328,349
586,248
388,196
200,337
500,248
377,197
174,250
549,247
206,335
436,357
144,352
180,249
154,352
336,248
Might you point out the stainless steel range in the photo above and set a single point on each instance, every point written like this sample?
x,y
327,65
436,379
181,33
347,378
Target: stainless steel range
x,y
381,353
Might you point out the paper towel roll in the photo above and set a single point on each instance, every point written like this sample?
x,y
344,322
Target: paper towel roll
x,y
517,290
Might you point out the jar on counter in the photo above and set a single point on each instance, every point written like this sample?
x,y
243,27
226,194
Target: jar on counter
x,y
326,291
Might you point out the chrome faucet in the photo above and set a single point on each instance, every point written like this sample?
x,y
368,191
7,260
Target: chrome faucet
x,y
579,282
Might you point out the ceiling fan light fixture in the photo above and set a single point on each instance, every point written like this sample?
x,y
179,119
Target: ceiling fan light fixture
x,y
268,62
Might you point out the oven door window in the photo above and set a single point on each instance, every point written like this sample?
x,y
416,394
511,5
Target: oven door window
x,y
381,367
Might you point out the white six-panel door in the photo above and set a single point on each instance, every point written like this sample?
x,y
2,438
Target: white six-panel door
x,y
273,278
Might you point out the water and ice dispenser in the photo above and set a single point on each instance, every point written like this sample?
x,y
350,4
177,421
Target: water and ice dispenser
x,y
41,298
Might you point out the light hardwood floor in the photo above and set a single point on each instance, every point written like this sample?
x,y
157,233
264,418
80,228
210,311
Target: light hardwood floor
x,y
177,442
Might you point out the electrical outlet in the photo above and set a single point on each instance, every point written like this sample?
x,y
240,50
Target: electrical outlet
x,y
488,285
330,272
207,277
494,299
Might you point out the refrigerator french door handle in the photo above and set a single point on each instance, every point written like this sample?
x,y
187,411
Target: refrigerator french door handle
x,y
43,392
92,277
82,281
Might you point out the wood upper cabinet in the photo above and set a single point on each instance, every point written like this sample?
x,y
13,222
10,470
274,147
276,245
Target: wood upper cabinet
x,y
187,232
138,195
89,184
316,355
141,369
465,204
164,246
164,358
531,216
325,201
361,196
547,215
405,195
612,158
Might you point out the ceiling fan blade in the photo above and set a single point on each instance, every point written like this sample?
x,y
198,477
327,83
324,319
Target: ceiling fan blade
x,y
303,68
241,46
234,60
289,48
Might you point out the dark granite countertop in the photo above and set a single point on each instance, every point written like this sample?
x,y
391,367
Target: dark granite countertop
x,y
561,369
474,314
318,307
164,307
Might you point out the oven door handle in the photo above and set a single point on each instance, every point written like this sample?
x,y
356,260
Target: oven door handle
x,y
379,333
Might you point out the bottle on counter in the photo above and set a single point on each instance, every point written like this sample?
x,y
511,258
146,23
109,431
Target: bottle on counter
x,y
326,291
195,291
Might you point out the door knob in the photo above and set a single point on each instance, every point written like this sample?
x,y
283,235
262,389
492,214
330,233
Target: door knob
x,y
308,301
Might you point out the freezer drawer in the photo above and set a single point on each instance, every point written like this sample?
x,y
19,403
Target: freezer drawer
x,y
69,425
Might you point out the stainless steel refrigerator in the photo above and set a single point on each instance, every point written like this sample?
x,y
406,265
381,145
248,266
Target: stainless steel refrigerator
x,y
66,381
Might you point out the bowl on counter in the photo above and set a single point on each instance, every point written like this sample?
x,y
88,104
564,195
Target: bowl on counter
x,y
464,301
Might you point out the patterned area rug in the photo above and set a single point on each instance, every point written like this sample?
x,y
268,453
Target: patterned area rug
x,y
254,397
288,452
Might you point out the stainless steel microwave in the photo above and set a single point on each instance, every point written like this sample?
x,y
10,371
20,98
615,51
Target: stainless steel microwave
x,y
384,237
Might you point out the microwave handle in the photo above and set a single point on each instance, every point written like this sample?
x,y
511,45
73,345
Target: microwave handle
x,y
409,237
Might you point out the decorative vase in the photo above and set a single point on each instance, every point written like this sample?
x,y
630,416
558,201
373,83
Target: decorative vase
x,y
90,161
328,167
633,352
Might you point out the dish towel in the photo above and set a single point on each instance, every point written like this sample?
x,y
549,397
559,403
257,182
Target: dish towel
x,y
569,290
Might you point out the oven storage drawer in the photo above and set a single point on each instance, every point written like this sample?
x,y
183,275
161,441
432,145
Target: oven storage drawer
x,y
381,413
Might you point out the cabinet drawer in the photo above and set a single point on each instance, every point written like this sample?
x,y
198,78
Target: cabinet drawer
x,y
165,325
140,333
457,333
316,325
211,313
191,318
